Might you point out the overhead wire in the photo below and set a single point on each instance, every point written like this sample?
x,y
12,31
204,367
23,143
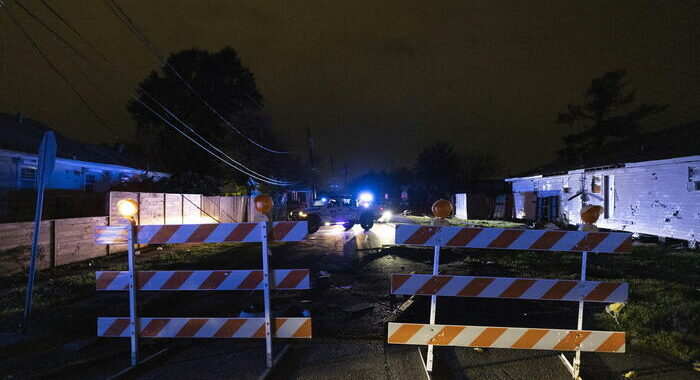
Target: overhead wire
x,y
243,169
141,36
59,72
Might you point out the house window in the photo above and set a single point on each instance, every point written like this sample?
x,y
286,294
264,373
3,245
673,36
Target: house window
x,y
27,176
595,185
27,173
694,178
90,181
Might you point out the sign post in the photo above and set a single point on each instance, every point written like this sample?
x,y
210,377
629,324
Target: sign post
x,y
45,164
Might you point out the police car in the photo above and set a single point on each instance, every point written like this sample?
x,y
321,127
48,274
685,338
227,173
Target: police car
x,y
344,210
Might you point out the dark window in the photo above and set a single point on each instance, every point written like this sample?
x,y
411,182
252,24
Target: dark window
x,y
27,173
90,181
547,209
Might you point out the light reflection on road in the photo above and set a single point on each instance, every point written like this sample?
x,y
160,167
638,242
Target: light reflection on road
x,y
339,241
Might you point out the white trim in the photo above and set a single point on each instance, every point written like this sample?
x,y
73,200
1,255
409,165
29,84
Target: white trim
x,y
78,163
626,165
523,178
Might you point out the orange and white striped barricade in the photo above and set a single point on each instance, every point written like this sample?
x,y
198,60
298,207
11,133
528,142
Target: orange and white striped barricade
x,y
510,288
203,280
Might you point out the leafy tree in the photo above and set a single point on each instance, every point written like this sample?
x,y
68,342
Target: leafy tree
x,y
608,113
478,166
437,170
229,87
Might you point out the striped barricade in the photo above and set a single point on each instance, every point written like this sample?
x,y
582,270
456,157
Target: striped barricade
x,y
507,337
203,280
218,233
514,239
514,288
580,291
284,279
117,327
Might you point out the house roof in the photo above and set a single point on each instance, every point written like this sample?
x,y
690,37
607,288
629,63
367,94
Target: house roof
x,y
21,134
678,141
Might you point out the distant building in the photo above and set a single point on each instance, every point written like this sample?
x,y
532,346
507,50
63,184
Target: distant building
x,y
659,196
79,166
484,199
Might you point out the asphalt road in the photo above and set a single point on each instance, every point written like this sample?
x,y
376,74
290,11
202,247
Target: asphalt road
x,y
350,308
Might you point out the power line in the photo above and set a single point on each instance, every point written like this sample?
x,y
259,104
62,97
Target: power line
x,y
243,169
141,36
59,73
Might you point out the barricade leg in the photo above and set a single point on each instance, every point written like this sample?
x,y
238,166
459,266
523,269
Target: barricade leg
x,y
133,321
266,294
433,307
577,358
575,366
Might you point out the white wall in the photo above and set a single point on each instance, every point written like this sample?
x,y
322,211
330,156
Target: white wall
x,y
461,205
651,197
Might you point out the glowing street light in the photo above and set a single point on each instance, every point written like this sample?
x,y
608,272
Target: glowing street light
x,y
127,208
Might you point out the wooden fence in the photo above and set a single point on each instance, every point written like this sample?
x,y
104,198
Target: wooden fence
x,y
164,208
61,241
64,241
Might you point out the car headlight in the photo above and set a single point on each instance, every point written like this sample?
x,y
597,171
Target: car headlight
x,y
302,214
386,216
366,197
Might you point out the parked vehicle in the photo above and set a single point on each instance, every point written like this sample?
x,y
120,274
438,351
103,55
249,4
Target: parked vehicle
x,y
341,209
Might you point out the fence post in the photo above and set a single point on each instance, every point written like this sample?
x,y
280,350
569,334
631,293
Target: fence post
x,y
52,244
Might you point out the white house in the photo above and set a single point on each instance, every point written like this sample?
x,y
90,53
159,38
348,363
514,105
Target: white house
x,y
79,166
659,197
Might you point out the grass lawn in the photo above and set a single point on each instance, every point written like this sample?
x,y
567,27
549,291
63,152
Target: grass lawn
x,y
469,222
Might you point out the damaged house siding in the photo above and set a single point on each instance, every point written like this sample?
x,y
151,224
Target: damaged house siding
x,y
659,198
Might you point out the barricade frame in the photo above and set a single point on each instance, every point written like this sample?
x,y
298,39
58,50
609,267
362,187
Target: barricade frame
x,y
513,239
130,234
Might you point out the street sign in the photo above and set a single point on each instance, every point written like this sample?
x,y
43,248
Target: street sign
x,y
105,235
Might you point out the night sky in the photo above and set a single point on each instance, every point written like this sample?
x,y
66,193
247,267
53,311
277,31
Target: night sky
x,y
378,80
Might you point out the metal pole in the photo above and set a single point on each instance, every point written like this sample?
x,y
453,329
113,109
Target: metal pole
x,y
266,294
433,306
132,298
34,254
579,326
45,165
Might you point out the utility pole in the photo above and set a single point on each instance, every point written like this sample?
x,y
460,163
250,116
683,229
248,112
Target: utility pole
x,y
333,184
345,172
311,164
